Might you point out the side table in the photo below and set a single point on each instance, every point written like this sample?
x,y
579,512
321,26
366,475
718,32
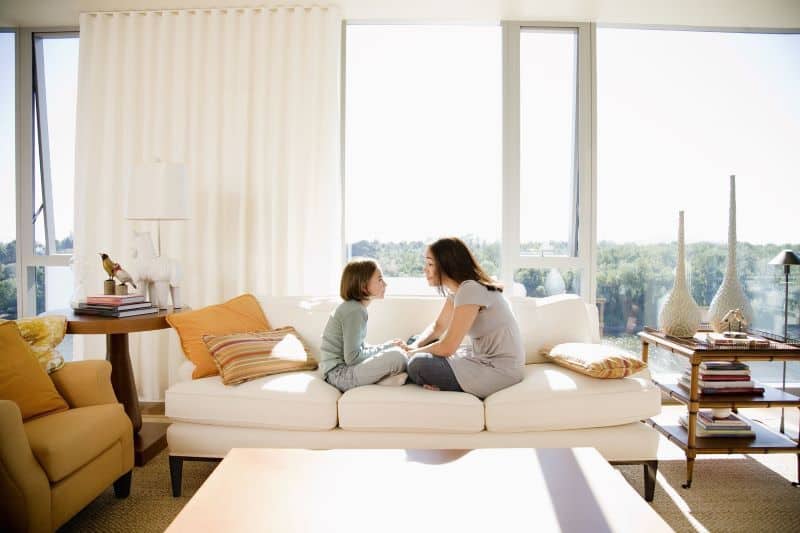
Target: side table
x,y
148,438
765,441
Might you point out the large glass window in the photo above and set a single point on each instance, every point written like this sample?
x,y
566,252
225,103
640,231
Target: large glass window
x,y
422,144
8,206
677,113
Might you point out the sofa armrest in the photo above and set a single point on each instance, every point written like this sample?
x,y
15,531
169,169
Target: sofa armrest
x,y
25,505
85,383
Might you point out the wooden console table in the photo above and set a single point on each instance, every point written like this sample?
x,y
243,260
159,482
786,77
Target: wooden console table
x,y
766,439
148,438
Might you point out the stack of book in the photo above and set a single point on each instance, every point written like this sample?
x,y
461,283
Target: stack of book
x,y
733,425
723,377
733,339
115,306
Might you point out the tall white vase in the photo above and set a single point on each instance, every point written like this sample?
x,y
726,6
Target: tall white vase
x,y
680,315
730,294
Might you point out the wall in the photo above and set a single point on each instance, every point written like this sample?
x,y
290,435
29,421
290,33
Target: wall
x,y
713,13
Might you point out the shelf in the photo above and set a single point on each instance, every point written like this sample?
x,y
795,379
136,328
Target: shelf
x,y
771,398
765,441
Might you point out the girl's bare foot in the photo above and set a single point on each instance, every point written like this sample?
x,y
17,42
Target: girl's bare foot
x,y
430,387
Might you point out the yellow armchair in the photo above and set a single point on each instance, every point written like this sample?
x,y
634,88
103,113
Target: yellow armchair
x,y
52,466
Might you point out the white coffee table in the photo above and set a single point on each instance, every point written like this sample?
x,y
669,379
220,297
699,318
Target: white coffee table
x,y
349,491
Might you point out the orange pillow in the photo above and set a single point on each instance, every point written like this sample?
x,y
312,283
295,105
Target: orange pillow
x,y
22,379
239,315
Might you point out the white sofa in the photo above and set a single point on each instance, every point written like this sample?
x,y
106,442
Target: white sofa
x,y
552,407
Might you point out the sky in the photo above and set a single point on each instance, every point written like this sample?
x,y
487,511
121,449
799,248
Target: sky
x,y
678,112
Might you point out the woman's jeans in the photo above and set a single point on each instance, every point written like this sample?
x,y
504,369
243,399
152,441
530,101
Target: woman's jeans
x,y
429,369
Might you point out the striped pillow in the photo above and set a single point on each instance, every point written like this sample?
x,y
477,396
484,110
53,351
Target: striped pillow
x,y
595,360
244,356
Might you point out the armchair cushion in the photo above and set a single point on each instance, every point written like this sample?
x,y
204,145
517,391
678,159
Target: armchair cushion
x,y
64,442
43,334
22,380
85,383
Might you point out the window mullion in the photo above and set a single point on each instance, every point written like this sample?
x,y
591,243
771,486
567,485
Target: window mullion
x,y
26,284
511,153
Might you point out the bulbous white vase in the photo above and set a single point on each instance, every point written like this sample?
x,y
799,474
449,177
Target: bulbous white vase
x,y
680,315
730,294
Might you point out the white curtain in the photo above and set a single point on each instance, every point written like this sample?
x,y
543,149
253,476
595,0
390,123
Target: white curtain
x,y
248,99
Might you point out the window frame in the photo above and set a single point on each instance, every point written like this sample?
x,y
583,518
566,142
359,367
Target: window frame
x,y
584,185
27,259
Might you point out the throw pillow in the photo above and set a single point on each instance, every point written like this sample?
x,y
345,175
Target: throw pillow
x,y
244,356
595,360
22,379
43,334
239,315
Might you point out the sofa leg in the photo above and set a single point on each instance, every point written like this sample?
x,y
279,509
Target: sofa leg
x,y
122,486
650,470
175,474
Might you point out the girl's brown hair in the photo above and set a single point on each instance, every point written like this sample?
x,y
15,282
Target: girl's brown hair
x,y
455,260
355,278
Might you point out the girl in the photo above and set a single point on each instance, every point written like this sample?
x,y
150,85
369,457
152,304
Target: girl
x,y
475,305
346,361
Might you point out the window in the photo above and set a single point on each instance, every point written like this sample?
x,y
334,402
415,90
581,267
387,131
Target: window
x,y
8,206
697,107
433,147
422,144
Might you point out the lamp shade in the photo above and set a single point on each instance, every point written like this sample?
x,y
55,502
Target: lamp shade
x,y
157,190
785,257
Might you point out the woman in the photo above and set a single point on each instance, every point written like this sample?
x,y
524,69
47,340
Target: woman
x,y
475,305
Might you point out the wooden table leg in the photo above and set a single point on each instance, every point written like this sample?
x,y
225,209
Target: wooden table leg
x,y
689,471
149,438
694,407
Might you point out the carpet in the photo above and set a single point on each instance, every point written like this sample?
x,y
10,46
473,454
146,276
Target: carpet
x,y
731,494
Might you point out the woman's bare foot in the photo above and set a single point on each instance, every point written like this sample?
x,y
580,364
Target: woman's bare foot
x,y
430,387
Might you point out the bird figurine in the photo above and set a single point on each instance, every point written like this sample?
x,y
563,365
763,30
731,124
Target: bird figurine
x,y
108,265
122,275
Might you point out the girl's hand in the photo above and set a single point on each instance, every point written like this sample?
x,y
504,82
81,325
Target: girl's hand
x,y
400,344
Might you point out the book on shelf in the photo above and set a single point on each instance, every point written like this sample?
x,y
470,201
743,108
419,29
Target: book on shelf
x,y
732,421
723,366
718,384
742,375
754,390
111,307
113,299
116,314
743,341
700,431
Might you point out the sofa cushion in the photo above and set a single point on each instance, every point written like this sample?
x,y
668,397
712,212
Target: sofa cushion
x,y
241,357
409,409
551,397
64,442
293,401
238,315
43,334
545,322
596,360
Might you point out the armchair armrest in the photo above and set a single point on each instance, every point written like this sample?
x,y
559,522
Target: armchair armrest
x,y
85,383
25,505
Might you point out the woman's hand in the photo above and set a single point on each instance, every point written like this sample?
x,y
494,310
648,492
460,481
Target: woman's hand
x,y
400,344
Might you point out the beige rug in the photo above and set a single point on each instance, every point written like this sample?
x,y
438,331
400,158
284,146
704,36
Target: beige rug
x,y
733,494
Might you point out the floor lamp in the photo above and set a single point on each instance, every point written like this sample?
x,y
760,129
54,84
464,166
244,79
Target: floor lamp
x,y
786,258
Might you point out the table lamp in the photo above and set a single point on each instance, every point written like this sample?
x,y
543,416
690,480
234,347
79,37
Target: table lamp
x,y
785,258
158,191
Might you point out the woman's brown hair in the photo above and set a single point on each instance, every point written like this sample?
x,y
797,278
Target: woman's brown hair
x,y
455,260
355,278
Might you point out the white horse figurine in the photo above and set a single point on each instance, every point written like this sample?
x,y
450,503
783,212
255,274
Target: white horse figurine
x,y
154,275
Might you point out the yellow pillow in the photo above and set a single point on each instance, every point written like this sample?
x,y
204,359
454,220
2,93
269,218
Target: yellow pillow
x,y
239,315
22,380
595,360
43,334
244,356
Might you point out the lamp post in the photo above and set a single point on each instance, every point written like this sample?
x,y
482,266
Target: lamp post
x,y
785,258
